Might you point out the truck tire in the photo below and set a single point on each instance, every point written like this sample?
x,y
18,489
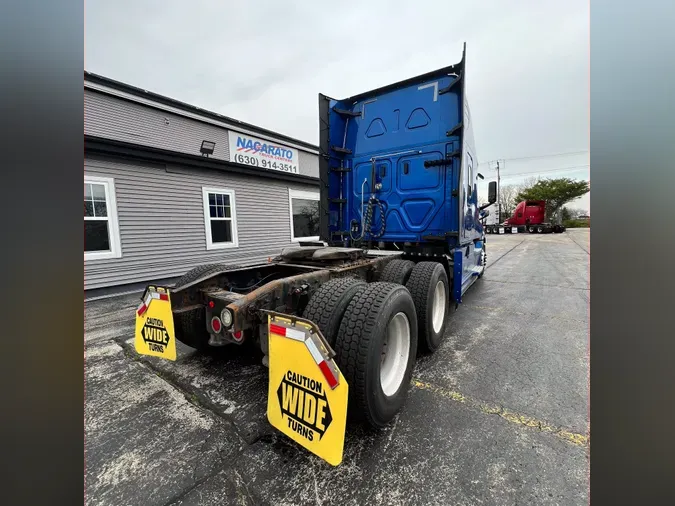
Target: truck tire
x,y
375,350
429,287
202,270
540,229
531,230
329,303
397,271
190,326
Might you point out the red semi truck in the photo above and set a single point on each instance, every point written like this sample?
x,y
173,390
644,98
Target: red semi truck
x,y
528,216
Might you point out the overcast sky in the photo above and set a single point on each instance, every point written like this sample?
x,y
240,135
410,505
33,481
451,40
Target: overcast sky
x,y
265,61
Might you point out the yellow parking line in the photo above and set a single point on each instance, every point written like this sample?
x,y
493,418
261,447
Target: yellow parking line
x,y
510,416
451,394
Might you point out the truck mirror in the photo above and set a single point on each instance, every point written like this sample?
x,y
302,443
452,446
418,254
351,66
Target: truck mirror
x,y
492,192
480,176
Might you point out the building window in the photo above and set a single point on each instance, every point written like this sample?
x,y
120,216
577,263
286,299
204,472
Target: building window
x,y
220,218
101,232
304,215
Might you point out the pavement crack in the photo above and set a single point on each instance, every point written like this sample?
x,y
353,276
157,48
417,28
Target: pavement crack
x,y
195,401
537,284
316,485
575,242
192,395
239,480
178,497
201,452
554,266
391,433
523,313
503,255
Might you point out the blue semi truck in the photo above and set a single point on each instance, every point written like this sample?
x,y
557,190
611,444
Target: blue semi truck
x,y
401,242
398,172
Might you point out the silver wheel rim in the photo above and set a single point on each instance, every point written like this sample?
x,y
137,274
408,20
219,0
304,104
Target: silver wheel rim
x,y
438,307
395,353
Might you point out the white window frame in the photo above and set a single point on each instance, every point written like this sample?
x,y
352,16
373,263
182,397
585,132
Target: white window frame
x,y
299,194
113,223
210,245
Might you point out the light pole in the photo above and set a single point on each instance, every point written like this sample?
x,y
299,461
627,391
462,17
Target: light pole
x,y
499,198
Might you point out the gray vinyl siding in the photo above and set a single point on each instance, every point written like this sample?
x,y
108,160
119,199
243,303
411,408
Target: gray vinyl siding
x,y
114,118
309,164
161,220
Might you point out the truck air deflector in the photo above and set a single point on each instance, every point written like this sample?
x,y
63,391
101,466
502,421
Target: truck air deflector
x,y
396,149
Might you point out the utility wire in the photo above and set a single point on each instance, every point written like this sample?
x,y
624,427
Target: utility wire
x,y
534,173
568,153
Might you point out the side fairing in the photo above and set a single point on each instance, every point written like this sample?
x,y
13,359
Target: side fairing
x,y
469,214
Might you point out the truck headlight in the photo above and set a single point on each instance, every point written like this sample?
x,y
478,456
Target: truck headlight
x,y
226,317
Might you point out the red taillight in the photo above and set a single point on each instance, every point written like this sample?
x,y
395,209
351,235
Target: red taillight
x,y
238,335
211,304
215,324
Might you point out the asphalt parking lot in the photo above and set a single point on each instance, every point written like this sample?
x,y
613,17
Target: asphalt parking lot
x,y
498,415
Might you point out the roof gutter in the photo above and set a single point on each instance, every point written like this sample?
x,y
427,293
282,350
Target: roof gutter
x,y
103,146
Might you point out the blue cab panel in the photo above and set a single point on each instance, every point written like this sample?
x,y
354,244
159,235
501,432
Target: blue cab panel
x,y
397,164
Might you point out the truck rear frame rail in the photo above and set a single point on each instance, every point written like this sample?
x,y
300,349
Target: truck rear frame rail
x,y
284,286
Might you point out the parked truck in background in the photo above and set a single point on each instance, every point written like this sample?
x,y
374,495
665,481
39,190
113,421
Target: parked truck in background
x,y
340,322
528,216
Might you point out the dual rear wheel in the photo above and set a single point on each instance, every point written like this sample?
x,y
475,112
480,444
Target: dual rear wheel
x,y
376,330
428,285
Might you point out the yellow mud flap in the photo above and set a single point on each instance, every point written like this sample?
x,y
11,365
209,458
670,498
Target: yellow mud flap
x,y
307,395
154,324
